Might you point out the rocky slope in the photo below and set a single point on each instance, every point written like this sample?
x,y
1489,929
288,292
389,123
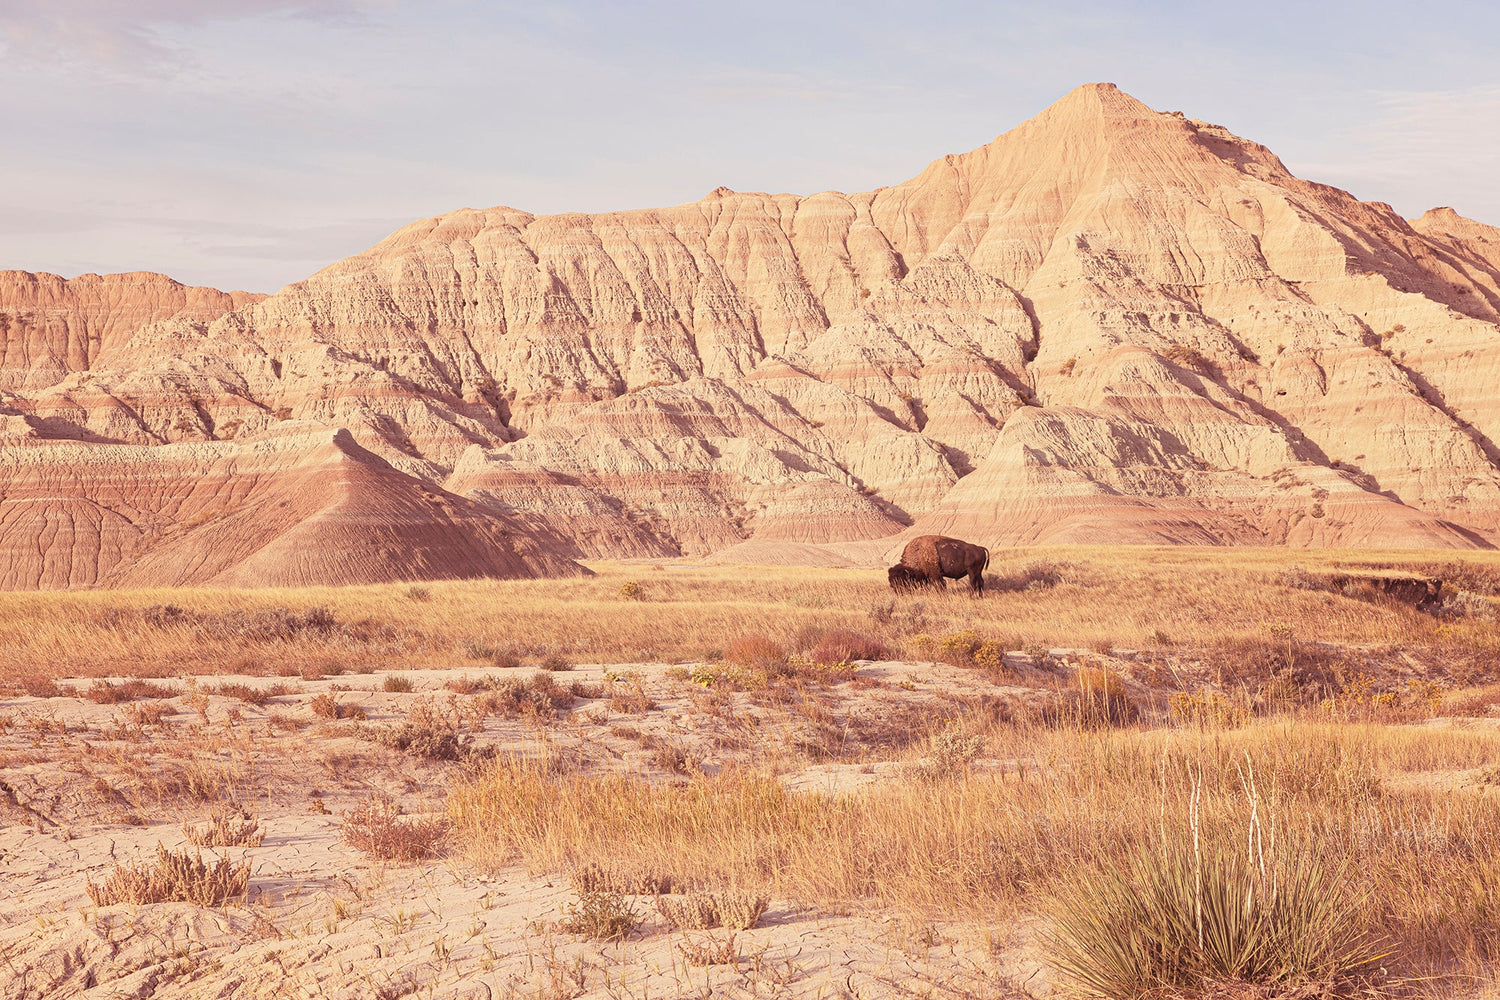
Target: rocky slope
x,y
1108,325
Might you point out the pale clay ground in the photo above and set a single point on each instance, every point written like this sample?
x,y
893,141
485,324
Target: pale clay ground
x,y
323,920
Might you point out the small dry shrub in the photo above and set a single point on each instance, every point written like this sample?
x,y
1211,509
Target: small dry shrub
x,y
631,591
710,951
555,661
580,689
151,714
476,649
755,651
39,686
166,615
1190,357
953,750
601,911
225,828
285,722
102,692
508,697
698,911
505,656
422,594
633,702
630,880
250,695
329,707
281,625
694,912
425,732
845,646
670,757
379,830
1298,578
740,910
397,684
172,877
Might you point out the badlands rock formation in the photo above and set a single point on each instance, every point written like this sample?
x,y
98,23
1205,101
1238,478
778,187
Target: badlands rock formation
x,y
1110,324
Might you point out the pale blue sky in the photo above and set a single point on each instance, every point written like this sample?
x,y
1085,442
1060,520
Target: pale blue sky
x,y
246,144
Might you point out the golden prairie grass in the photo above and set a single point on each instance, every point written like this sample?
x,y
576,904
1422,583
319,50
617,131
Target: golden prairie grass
x,y
1418,867
1121,597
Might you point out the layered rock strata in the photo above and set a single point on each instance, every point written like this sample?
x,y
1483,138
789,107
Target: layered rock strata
x,y
1110,324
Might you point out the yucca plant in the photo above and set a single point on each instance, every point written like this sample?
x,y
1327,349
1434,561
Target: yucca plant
x,y
1194,910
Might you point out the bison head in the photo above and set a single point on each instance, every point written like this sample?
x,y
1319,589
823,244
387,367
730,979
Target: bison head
x,y
905,578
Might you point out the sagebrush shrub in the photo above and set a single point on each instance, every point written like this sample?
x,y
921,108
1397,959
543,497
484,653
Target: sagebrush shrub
x,y
601,911
225,828
699,911
329,707
173,877
380,830
102,692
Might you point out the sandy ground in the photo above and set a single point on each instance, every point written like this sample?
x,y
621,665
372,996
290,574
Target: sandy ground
x,y
85,785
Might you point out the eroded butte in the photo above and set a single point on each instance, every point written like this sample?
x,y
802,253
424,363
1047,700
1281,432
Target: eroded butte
x,y
1110,324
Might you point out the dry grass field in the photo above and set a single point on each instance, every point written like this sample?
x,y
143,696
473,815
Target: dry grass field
x,y
1167,598
1121,773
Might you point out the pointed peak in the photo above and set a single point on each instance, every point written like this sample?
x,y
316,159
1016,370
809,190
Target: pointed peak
x,y
1098,99
1446,220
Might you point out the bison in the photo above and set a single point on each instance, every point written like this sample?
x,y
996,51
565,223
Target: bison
x,y
933,559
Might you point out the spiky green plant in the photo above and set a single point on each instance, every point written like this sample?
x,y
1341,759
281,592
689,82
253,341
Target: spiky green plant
x,y
1192,911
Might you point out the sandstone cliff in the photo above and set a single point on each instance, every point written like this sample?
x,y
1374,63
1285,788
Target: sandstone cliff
x,y
1109,324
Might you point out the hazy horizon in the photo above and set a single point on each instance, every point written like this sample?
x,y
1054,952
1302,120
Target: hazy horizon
x,y
247,144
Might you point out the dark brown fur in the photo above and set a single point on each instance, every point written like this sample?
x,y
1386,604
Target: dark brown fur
x,y
905,579
936,558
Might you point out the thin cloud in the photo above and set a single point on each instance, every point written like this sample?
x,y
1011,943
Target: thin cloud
x,y
1426,148
131,36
